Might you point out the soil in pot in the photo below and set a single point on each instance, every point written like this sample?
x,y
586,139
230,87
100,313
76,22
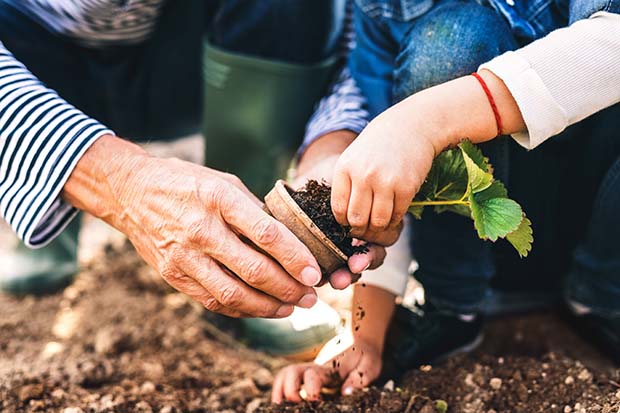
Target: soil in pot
x,y
315,200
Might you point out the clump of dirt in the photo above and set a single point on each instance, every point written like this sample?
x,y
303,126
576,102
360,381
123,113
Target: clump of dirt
x,y
315,200
120,340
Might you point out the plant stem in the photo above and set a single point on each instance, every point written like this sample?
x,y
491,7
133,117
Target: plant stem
x,y
433,203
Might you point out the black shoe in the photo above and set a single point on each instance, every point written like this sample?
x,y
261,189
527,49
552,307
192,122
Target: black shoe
x,y
603,332
427,335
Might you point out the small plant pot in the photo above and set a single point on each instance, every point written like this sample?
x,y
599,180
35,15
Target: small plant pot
x,y
280,205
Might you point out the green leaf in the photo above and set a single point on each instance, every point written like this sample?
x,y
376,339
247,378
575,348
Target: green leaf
x,y
496,190
447,179
457,209
461,181
476,155
479,179
495,217
416,211
522,238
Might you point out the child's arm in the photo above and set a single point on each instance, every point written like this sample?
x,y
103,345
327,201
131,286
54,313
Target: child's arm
x,y
548,85
358,365
378,175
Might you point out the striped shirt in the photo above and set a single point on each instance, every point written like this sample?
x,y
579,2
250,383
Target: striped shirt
x,y
42,137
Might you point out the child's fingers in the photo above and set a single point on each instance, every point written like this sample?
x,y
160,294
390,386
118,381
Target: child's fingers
x,y
341,192
365,373
292,383
277,390
340,279
313,382
360,206
382,207
402,200
372,259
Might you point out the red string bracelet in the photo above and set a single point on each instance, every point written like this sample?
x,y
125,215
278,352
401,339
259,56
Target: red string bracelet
x,y
498,118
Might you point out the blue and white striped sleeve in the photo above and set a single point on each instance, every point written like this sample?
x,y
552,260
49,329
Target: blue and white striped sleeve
x,y
343,107
42,138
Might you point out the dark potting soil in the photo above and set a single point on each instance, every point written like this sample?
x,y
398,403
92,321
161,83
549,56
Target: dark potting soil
x,y
121,340
315,200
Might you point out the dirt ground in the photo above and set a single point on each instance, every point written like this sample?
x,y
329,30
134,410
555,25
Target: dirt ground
x,y
120,340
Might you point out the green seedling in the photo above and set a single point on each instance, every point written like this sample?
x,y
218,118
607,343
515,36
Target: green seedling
x,y
461,181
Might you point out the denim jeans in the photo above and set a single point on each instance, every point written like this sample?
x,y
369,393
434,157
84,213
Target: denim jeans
x,y
154,90
569,187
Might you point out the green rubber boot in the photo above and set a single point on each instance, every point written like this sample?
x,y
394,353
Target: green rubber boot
x,y
43,271
299,336
255,116
256,111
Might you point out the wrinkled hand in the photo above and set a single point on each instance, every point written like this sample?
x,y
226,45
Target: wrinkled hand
x,y
318,163
198,228
357,366
378,175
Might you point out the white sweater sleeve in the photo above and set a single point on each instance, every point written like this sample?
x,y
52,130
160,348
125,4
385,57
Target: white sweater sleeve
x,y
393,275
42,138
564,77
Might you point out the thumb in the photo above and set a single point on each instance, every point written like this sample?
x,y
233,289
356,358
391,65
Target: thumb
x,y
366,371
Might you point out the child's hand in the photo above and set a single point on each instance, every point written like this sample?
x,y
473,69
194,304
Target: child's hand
x,y
378,175
357,366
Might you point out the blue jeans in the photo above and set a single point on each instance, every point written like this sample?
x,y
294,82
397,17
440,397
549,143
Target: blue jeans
x,y
405,46
154,90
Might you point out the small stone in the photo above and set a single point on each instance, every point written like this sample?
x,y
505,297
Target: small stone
x,y
263,378
36,405
73,410
166,409
253,405
143,407
428,408
569,380
469,380
618,394
147,387
567,409
495,383
30,391
584,375
389,385
111,341
58,394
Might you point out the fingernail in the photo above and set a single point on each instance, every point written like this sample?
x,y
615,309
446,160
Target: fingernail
x,y
348,391
310,276
284,311
307,300
366,267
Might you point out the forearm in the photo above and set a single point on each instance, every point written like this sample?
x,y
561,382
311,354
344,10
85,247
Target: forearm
x,y
373,308
459,109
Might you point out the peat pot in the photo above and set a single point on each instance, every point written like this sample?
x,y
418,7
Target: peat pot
x,y
280,205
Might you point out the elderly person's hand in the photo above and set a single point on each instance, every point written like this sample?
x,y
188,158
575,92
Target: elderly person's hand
x,y
318,162
201,229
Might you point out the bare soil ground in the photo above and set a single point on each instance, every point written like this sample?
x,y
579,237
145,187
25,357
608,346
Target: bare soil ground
x,y
120,340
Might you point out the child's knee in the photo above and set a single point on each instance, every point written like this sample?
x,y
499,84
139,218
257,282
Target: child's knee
x,y
449,42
